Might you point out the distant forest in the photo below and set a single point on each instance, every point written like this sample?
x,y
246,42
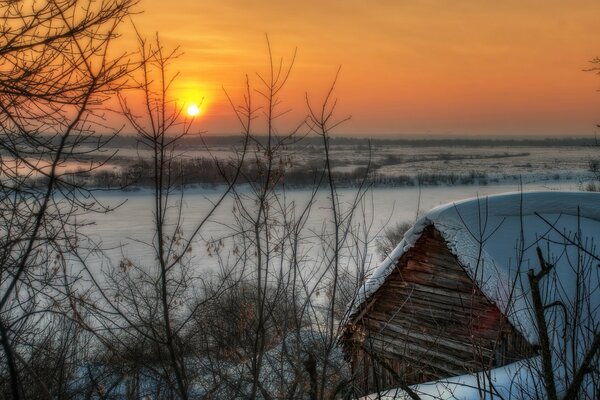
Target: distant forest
x,y
125,140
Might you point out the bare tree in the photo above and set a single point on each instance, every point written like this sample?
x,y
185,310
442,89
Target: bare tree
x,y
147,310
390,238
289,261
264,223
55,75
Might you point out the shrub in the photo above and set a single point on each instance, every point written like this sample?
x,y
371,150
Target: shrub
x,y
390,238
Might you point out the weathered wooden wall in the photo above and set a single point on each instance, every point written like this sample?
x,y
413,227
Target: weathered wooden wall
x,y
428,321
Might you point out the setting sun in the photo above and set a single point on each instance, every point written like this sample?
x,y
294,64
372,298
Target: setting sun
x,y
193,110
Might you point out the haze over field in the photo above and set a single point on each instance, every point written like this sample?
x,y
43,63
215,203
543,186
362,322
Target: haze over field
x,y
421,68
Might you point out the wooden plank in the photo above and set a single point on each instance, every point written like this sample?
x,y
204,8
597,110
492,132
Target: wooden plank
x,y
434,340
416,302
421,356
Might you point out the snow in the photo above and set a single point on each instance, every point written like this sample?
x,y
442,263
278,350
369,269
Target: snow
x,y
282,371
495,239
513,381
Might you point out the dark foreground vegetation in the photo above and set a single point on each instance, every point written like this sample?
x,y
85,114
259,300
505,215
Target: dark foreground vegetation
x,y
194,141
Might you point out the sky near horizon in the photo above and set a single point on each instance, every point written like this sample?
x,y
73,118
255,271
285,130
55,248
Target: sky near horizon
x,y
408,67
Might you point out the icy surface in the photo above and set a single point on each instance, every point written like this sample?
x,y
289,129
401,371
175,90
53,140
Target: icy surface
x,y
123,231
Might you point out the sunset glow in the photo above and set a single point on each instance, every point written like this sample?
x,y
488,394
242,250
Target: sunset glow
x,y
193,110
467,68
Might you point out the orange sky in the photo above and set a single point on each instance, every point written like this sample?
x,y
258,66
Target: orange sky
x,y
409,67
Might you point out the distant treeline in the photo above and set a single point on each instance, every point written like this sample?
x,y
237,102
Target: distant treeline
x,y
237,141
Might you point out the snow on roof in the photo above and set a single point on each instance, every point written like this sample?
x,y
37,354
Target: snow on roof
x,y
495,239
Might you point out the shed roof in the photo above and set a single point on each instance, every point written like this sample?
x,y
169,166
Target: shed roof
x,y
495,239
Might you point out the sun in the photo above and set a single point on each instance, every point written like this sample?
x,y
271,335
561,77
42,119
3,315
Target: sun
x,y
193,110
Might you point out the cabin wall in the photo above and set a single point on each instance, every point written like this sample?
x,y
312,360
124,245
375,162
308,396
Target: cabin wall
x,y
428,321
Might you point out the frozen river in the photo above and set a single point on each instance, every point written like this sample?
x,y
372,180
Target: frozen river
x,y
124,231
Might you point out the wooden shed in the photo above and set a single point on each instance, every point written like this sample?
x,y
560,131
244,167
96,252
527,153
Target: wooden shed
x,y
449,300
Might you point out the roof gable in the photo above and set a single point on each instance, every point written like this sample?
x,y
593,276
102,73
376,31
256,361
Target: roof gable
x,y
495,239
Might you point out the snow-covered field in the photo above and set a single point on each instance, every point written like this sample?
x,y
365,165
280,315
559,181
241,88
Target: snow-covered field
x,y
498,163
